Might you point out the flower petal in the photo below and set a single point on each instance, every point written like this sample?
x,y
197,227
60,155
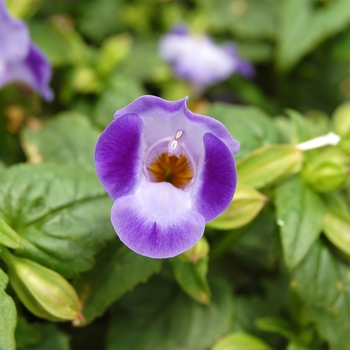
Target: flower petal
x,y
157,221
117,155
218,179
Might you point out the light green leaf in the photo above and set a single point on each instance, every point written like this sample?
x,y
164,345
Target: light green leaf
x,y
250,126
240,341
159,316
268,165
300,214
275,325
69,139
8,237
323,282
192,278
8,316
303,26
293,346
61,214
117,271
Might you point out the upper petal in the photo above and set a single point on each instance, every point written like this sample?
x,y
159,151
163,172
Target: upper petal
x,y
217,181
118,155
158,220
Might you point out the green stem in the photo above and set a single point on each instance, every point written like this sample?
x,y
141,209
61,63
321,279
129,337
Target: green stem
x,y
6,256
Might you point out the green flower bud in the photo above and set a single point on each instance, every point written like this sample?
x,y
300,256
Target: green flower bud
x,y
197,252
341,125
44,292
327,172
245,206
269,164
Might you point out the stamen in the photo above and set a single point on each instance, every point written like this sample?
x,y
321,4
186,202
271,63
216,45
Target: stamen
x,y
174,144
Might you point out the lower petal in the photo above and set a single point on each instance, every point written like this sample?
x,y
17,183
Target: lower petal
x,y
157,221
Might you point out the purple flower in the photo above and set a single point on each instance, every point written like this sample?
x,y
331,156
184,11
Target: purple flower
x,y
169,172
20,59
200,60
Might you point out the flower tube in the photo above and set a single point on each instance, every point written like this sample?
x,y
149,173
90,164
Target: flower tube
x,y
168,170
20,59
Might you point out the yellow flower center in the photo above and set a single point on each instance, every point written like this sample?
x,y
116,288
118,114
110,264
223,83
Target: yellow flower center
x,y
176,170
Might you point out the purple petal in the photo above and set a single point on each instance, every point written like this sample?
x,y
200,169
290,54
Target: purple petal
x,y
157,221
218,179
117,155
35,71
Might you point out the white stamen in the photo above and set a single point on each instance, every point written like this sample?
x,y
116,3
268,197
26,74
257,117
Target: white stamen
x,y
178,134
174,144
330,139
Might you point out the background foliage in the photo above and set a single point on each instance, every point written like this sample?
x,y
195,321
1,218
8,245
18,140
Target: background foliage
x,y
274,270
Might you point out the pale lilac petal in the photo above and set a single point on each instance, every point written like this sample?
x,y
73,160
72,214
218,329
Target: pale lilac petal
x,y
14,37
118,155
163,118
157,221
218,179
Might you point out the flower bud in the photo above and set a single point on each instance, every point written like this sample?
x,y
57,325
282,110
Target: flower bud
x,y
326,172
197,252
245,206
341,125
44,292
269,164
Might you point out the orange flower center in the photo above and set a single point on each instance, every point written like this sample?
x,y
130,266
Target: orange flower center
x,y
176,170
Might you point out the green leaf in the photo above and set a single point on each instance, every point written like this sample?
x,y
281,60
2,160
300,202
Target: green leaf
x,y
192,278
323,282
303,26
116,272
269,164
293,346
300,213
8,316
337,230
275,325
40,336
240,341
246,205
61,214
8,237
250,126
69,139
159,316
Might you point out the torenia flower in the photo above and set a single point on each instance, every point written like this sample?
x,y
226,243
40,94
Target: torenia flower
x,y
168,170
198,59
20,59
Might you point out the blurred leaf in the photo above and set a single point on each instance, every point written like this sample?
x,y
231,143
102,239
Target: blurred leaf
x,y
116,272
159,316
8,316
269,164
40,336
293,346
122,90
240,341
275,325
303,25
337,230
323,283
245,206
67,139
192,278
8,237
61,214
250,126
300,214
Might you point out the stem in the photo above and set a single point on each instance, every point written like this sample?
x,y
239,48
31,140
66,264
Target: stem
x,y
6,256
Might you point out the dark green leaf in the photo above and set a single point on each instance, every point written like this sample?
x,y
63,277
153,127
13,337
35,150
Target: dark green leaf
x,y
159,316
8,316
61,215
8,237
300,213
250,126
117,270
275,325
323,282
67,139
